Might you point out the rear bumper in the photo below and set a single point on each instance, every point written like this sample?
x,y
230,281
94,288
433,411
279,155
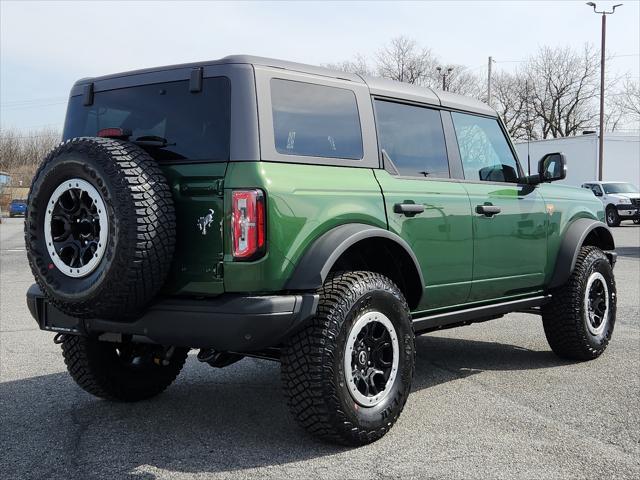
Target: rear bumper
x,y
227,323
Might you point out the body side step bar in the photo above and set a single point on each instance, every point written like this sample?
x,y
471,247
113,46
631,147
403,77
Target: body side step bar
x,y
476,314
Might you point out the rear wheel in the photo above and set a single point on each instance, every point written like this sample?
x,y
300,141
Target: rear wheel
x,y
117,371
613,220
348,374
579,320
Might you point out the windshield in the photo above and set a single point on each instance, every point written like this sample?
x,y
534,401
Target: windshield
x,y
619,188
171,122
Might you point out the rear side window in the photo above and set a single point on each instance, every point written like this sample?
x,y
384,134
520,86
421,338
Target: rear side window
x,y
413,139
315,120
195,126
484,150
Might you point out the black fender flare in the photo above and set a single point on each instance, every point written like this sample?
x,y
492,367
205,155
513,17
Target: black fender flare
x,y
574,238
316,263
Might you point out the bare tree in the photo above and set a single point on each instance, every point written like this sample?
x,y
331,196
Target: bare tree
x,y
21,152
464,82
512,99
553,94
405,61
627,99
564,86
358,65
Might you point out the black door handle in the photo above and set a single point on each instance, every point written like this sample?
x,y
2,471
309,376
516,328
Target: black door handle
x,y
408,208
487,210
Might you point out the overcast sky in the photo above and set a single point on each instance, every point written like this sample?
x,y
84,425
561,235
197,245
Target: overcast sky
x,y
46,46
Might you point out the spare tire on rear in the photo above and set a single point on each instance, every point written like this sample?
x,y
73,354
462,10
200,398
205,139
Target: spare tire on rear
x,y
100,228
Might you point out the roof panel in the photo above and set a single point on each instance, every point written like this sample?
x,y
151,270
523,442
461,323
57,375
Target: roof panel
x,y
406,91
377,86
468,104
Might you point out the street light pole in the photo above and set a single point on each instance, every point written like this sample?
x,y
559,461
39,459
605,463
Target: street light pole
x,y
601,128
604,14
444,76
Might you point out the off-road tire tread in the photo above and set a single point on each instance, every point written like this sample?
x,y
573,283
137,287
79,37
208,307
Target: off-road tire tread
x,y
144,193
562,318
306,377
85,371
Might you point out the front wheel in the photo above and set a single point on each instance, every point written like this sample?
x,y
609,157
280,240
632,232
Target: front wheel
x,y
579,320
118,371
636,221
348,373
613,219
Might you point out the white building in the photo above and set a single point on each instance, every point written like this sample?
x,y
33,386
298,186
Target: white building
x,y
621,157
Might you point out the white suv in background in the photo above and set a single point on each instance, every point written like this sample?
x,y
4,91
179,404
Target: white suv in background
x,y
621,200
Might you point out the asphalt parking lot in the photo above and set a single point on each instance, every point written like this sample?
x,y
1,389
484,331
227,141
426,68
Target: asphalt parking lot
x,y
489,401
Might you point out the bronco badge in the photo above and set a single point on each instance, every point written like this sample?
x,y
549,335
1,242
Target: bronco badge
x,y
205,222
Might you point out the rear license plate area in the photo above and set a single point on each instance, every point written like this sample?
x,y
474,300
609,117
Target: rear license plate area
x,y
54,320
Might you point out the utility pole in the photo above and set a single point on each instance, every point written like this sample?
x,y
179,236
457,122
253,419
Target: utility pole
x,y
489,81
444,76
604,14
528,122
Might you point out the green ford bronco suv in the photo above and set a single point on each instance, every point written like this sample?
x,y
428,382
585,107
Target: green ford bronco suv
x,y
255,207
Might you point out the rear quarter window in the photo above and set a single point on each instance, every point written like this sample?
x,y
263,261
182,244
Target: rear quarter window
x,y
196,126
315,120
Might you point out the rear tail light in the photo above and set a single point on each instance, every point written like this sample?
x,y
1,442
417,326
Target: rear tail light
x,y
248,224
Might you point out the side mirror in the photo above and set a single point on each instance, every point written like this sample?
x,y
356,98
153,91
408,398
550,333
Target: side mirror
x,y
597,194
552,167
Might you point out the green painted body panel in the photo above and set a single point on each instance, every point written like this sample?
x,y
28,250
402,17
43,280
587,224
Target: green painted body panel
x,y
564,205
196,188
303,202
441,236
466,259
510,248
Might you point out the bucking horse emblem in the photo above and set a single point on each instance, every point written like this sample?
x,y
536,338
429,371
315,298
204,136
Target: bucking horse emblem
x,y
205,222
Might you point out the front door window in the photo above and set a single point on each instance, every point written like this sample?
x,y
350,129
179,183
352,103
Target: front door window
x,y
485,153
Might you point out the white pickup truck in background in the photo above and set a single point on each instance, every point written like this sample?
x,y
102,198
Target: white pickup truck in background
x,y
621,200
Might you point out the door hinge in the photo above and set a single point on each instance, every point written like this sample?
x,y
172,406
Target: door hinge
x,y
219,270
218,187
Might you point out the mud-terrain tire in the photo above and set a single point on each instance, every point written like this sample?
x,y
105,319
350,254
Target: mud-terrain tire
x,y
579,320
613,219
121,372
357,311
136,225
